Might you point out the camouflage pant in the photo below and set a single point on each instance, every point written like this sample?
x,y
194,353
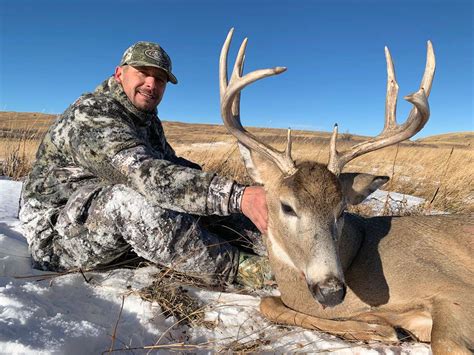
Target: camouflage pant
x,y
100,225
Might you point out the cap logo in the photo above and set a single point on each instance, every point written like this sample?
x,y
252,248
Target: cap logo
x,y
153,54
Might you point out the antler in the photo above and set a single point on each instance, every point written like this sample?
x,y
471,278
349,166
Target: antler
x,y
392,133
230,106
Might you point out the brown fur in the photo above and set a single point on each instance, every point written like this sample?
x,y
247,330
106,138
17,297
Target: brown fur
x,y
414,273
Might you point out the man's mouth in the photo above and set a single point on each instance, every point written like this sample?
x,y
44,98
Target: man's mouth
x,y
147,95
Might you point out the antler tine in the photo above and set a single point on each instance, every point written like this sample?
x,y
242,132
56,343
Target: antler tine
x,y
430,67
288,145
223,81
392,132
333,153
392,94
238,70
230,98
223,77
426,82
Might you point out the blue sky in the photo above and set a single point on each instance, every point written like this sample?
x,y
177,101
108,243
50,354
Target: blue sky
x,y
52,51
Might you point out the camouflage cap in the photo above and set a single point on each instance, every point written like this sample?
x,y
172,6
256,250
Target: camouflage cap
x,y
148,54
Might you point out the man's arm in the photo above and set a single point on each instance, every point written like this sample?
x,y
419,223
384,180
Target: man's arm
x,y
104,142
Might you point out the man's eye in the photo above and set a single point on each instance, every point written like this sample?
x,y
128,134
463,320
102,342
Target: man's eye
x,y
288,210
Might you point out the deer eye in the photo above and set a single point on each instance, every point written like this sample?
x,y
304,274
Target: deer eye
x,y
287,209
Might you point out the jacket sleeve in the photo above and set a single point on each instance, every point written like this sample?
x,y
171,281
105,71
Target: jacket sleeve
x,y
107,144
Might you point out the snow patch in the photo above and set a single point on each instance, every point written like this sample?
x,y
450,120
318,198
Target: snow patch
x,y
393,201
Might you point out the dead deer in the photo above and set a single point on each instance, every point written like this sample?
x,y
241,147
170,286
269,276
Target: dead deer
x,y
358,278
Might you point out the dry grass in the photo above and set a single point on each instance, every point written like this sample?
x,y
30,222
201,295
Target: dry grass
x,y
16,156
464,139
174,301
18,122
441,174
438,167
20,136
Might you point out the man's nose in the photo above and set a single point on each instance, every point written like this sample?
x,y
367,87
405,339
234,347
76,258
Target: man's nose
x,y
150,82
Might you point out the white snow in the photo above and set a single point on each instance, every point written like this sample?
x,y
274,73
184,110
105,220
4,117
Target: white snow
x,y
394,201
67,315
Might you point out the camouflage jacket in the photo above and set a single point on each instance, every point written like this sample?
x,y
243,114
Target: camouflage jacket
x,y
102,139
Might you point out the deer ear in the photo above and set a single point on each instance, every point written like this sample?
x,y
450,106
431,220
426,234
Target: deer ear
x,y
260,170
356,187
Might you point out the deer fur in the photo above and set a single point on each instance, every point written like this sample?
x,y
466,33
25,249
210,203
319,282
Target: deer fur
x,y
359,278
413,273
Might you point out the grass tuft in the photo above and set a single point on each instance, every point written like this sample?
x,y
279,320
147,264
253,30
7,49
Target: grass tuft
x,y
173,300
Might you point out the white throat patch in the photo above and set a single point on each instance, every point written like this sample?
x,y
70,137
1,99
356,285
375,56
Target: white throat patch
x,y
279,252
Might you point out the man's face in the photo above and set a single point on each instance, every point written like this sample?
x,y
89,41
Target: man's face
x,y
144,86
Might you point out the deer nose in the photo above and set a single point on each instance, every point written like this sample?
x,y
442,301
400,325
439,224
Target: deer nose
x,y
329,292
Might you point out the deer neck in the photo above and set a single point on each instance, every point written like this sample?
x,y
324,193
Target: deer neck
x,y
350,241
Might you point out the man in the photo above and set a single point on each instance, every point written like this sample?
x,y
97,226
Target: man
x,y
106,183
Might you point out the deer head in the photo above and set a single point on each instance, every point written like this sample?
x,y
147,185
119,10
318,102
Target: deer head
x,y
306,201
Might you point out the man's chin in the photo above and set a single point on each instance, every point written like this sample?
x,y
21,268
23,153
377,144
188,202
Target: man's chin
x,y
147,107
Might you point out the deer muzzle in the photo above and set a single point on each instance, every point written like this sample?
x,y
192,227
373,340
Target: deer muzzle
x,y
329,292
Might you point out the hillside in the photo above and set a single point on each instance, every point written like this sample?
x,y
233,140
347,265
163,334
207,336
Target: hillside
x,y
456,138
437,168
15,124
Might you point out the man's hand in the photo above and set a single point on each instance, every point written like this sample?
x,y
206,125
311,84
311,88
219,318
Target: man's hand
x,y
254,206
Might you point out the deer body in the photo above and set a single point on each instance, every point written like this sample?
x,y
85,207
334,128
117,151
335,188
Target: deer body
x,y
340,273
401,272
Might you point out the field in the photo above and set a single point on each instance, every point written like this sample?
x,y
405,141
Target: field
x,y
117,309
436,168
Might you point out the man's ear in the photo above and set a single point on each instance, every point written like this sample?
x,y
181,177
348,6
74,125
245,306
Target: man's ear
x,y
118,74
260,169
356,187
